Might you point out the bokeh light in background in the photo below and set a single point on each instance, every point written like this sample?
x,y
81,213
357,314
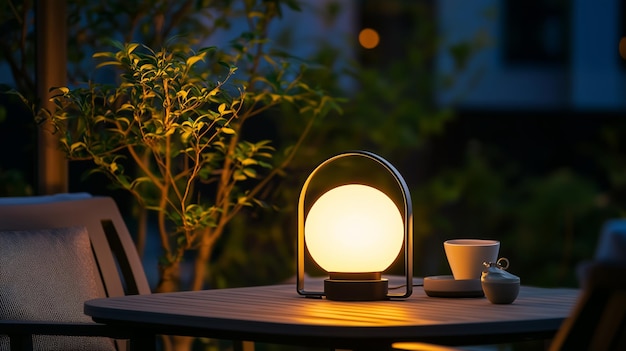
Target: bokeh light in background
x,y
622,48
369,38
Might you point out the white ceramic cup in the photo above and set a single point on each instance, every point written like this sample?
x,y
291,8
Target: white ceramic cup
x,y
466,256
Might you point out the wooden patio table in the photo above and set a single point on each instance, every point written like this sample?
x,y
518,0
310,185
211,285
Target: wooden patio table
x,y
277,314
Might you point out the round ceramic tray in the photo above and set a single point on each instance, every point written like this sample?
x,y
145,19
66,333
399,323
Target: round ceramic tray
x,y
446,286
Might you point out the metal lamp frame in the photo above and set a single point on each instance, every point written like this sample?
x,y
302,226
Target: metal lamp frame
x,y
408,223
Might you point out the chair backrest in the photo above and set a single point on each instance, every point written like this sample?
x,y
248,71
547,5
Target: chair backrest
x,y
598,321
114,250
612,242
86,234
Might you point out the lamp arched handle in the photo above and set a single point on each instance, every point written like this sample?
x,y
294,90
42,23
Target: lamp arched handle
x,y
408,222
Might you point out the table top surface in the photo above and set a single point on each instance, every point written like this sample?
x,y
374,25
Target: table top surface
x,y
277,313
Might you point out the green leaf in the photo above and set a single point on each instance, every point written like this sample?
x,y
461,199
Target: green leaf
x,y
239,176
221,108
242,200
193,59
227,130
131,47
109,63
126,107
250,172
113,167
147,67
182,93
103,55
77,146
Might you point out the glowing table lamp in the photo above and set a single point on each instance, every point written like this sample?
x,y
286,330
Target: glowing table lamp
x,y
355,232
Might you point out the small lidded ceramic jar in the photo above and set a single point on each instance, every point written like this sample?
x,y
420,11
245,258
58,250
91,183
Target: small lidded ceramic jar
x,y
499,286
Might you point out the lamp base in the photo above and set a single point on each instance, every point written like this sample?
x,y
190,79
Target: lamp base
x,y
356,289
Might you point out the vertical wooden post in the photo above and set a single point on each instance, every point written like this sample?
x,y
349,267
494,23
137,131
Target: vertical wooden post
x,y
51,70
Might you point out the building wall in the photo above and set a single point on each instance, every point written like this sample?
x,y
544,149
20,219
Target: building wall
x,y
588,76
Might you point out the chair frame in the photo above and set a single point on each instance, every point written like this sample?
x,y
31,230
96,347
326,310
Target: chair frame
x,y
598,322
120,267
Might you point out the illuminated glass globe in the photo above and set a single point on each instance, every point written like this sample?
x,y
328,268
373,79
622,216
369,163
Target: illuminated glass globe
x,y
354,228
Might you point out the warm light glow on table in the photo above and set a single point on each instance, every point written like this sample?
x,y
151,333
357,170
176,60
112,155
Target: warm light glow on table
x,y
348,314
